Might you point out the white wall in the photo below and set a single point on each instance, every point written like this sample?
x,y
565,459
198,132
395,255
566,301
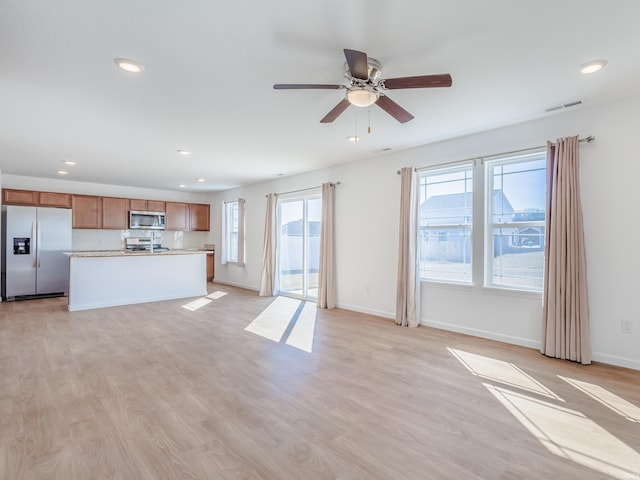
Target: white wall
x,y
87,239
367,205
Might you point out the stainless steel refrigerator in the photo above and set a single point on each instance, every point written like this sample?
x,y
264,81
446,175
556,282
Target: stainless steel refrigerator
x,y
33,242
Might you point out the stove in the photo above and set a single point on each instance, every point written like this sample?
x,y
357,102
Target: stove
x,y
143,244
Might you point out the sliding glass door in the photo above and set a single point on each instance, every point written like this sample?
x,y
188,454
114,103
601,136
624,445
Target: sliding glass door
x,y
299,245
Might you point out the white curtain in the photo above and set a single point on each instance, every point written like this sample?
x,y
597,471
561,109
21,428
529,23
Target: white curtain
x,y
565,304
326,269
408,295
241,232
223,240
268,275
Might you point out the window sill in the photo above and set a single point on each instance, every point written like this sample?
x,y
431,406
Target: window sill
x,y
513,292
447,285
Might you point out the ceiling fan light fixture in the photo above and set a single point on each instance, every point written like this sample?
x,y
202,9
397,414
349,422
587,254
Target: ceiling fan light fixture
x,y
362,97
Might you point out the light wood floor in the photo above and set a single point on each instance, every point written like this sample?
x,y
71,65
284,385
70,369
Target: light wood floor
x,y
157,391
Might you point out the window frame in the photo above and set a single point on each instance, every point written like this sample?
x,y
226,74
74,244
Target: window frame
x,y
442,230
490,225
230,220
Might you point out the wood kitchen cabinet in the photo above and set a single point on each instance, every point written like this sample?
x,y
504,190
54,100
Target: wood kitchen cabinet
x,y
146,205
177,216
52,199
87,211
90,211
199,217
210,266
36,199
19,197
115,213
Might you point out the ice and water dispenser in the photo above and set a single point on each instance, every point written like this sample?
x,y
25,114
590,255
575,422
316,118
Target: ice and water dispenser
x,y
21,246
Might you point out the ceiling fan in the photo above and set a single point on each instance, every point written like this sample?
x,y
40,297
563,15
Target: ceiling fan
x,y
366,86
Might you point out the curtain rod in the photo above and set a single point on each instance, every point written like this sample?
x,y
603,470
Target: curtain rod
x,y
304,189
588,139
233,201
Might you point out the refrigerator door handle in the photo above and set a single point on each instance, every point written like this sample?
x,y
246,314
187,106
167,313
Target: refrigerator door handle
x,y
39,237
34,248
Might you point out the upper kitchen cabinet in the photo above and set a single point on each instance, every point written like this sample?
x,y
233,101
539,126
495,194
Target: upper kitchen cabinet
x,y
146,205
30,197
155,206
199,217
115,213
87,211
19,197
51,199
177,216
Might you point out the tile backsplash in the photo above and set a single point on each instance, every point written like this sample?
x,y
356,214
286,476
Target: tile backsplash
x,y
114,239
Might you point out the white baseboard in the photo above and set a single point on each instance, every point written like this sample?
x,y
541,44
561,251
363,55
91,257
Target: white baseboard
x,y
368,311
523,342
615,360
235,284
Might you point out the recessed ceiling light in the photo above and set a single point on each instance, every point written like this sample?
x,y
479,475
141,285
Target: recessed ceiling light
x,y
128,65
69,162
201,180
353,138
593,66
63,172
184,152
182,185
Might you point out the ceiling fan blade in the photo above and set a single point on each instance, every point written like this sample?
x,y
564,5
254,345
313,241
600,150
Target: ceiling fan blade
x,y
421,81
337,110
393,109
358,64
300,86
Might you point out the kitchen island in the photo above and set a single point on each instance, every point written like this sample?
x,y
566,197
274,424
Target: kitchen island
x,y
110,278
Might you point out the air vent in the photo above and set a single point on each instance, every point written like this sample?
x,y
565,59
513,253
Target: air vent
x,y
566,105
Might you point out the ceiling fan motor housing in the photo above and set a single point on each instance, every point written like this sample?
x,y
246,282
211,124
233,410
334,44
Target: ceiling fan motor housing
x,y
374,68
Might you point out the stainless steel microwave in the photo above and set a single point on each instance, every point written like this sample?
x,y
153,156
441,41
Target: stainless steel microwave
x,y
147,220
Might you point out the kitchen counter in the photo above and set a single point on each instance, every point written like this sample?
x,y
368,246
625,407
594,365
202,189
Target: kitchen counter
x,y
109,278
129,253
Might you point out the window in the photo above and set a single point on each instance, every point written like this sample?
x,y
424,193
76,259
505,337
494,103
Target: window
x,y
230,232
515,222
445,224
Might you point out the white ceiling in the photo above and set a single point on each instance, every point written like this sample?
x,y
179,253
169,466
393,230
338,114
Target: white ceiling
x,y
210,67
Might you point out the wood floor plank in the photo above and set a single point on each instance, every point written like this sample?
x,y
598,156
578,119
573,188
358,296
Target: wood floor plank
x,y
155,391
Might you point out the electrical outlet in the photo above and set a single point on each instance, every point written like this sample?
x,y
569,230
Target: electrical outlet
x,y
627,326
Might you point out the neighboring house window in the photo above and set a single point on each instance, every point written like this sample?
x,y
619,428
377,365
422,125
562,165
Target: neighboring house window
x,y
445,224
230,232
515,202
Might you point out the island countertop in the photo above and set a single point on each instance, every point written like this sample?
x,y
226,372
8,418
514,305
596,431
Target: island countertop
x,y
127,253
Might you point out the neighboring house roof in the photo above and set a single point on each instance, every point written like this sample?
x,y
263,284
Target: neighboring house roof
x,y
454,208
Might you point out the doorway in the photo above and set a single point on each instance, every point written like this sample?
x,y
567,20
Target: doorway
x,y
299,220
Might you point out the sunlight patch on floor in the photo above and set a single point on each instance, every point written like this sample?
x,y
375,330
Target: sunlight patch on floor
x,y
301,335
274,320
216,295
610,400
500,371
287,320
196,304
570,434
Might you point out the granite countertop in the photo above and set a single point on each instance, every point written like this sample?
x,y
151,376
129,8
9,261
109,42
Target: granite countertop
x,y
125,253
